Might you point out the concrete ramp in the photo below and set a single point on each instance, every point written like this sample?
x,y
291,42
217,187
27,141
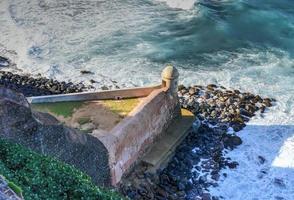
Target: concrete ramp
x,y
164,148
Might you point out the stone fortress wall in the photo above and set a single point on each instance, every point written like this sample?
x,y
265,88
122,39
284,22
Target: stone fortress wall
x,y
107,156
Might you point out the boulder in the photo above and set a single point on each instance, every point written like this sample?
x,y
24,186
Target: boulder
x,y
15,113
231,141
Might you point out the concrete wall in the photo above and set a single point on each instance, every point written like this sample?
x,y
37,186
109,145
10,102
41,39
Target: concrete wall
x,y
131,138
100,95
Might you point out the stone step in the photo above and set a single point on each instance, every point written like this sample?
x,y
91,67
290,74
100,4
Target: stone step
x,y
163,149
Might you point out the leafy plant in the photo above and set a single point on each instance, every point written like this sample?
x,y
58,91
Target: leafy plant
x,y
42,177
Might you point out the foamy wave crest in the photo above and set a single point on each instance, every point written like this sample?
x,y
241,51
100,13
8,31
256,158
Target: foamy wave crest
x,y
181,4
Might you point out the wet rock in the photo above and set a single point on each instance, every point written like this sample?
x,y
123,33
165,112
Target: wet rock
x,y
104,88
211,86
92,81
37,86
180,87
232,141
261,159
232,165
267,102
181,186
192,91
205,196
215,177
279,182
4,62
238,126
86,72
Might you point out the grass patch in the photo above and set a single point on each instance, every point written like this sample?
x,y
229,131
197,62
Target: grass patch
x,y
121,107
42,177
65,109
84,120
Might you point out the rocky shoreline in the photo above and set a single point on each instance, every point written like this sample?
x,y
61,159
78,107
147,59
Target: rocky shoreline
x,y
197,162
30,86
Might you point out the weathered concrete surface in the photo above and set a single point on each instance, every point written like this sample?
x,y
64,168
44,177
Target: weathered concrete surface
x,y
164,147
100,95
19,124
131,138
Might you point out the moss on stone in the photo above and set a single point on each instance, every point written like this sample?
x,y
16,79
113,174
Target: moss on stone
x,y
84,120
121,107
65,109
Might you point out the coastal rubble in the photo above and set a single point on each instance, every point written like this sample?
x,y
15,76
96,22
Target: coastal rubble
x,y
199,158
30,86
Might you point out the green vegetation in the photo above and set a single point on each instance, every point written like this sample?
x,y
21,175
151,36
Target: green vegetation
x,y
65,109
121,107
84,120
42,177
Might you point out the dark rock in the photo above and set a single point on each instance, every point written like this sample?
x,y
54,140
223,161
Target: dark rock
x,y
205,196
4,62
36,86
104,88
232,141
279,182
246,113
181,87
261,159
16,113
267,102
92,81
232,165
181,186
215,177
86,72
